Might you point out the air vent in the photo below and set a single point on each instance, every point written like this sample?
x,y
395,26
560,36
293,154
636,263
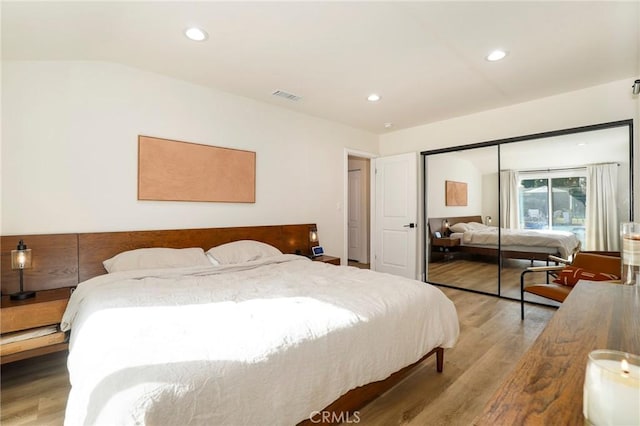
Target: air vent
x,y
286,95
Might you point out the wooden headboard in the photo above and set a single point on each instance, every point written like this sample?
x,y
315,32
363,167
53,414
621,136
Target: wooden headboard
x,y
436,223
64,260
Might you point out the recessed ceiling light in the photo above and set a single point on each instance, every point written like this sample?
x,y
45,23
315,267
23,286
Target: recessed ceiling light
x,y
196,34
388,125
373,97
496,55
582,144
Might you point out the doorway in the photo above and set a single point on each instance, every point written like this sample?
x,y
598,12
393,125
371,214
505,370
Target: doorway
x,y
358,211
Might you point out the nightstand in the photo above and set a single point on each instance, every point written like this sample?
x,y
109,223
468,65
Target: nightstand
x,y
45,309
327,259
445,245
445,242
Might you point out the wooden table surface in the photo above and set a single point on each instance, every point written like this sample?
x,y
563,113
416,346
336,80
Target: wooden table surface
x,y
546,385
40,297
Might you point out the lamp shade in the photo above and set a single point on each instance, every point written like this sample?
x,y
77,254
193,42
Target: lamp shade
x,y
445,227
313,236
21,257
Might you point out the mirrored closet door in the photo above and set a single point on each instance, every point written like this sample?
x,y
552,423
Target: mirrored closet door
x,y
495,208
573,189
461,189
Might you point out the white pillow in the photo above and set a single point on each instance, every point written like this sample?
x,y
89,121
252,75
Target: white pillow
x,y
459,227
476,226
159,257
241,251
213,260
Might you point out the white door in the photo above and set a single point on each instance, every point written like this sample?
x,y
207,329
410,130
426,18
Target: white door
x,y
355,215
396,207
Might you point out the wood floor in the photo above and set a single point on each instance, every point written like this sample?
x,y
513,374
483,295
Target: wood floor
x,y
34,391
492,339
359,265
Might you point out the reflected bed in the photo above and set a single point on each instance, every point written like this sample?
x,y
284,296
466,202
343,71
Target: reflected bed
x,y
476,238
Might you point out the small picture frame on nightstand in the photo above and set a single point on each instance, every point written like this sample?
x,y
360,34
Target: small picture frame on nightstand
x,y
437,234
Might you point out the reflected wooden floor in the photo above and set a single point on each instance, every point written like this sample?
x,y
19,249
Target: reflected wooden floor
x,y
481,274
492,338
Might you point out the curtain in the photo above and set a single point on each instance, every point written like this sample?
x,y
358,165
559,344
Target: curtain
x,y
602,231
509,214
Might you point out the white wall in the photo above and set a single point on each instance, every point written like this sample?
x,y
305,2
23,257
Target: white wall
x,y
604,103
490,197
69,152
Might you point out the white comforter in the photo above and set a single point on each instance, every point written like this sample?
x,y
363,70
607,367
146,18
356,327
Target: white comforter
x,y
565,242
265,342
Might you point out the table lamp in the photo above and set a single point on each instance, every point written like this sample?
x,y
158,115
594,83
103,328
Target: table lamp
x,y
21,259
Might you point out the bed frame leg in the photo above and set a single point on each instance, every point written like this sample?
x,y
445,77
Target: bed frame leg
x,y
439,359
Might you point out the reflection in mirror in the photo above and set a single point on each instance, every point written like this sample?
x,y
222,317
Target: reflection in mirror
x,y
574,183
569,192
461,191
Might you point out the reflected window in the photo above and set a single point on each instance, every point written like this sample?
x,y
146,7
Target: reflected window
x,y
549,201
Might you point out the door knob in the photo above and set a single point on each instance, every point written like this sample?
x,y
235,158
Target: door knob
x,y
411,225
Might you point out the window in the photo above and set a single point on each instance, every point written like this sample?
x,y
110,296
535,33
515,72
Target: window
x,y
553,200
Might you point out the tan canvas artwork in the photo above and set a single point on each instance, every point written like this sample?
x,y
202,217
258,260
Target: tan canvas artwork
x,y
171,170
456,193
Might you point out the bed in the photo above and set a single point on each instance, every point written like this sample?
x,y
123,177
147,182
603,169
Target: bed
x,y
476,238
271,339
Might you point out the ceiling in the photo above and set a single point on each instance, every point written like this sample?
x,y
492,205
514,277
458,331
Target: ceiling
x,y
425,59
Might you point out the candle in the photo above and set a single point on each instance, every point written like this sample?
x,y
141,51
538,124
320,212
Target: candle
x,y
630,233
612,388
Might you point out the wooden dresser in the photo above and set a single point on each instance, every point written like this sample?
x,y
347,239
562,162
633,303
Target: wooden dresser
x,y
45,309
546,386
